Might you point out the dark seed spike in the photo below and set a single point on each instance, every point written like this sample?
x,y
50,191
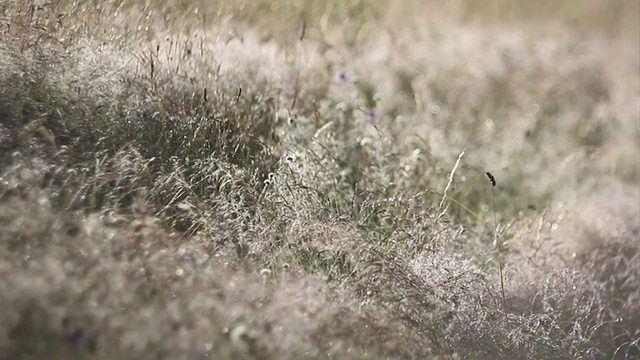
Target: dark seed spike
x,y
303,30
492,179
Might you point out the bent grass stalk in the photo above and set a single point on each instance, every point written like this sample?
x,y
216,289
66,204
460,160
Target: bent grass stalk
x,y
496,241
449,182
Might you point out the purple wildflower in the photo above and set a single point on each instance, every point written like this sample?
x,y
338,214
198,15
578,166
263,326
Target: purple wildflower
x,y
372,114
340,77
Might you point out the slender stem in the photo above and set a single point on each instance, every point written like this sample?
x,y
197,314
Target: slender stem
x,y
498,247
496,243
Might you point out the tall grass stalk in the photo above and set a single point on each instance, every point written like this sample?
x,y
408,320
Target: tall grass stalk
x,y
449,182
496,240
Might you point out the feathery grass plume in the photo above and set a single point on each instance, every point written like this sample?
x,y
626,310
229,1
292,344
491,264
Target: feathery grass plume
x,y
449,182
496,242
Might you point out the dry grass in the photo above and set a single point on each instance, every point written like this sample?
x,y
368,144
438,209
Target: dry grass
x,y
273,180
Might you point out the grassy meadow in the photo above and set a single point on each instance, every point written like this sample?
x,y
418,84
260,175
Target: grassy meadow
x,y
351,179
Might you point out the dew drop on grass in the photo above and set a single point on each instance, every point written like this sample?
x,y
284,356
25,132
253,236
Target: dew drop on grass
x,y
265,272
489,123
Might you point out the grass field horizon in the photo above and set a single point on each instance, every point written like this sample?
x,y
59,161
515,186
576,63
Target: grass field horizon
x,y
341,180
